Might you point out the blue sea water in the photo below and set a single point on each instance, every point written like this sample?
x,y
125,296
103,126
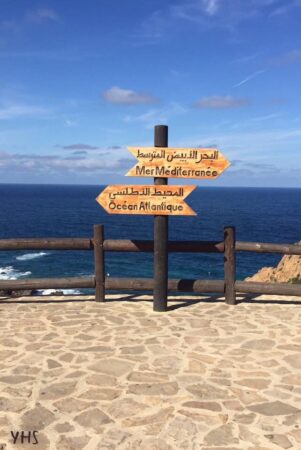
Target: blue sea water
x,y
259,214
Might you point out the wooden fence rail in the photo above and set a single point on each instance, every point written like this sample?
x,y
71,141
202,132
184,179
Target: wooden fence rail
x,y
125,245
229,247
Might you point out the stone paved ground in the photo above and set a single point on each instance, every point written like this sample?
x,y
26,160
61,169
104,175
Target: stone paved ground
x,y
118,376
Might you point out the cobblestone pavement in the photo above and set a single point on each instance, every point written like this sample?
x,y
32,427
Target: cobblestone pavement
x,y
119,376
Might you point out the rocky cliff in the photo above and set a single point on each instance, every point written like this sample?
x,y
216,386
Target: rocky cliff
x,y
287,271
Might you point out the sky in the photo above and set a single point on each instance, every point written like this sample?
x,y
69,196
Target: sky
x,y
81,81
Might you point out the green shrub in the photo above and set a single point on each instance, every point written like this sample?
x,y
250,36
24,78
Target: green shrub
x,y
296,280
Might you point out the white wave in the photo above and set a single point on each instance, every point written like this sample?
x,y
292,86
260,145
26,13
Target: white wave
x,y
52,291
9,273
29,256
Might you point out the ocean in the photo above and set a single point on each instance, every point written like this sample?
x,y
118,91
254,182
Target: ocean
x,y
259,214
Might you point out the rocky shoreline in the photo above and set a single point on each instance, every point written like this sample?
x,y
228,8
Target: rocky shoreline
x,y
24,293
287,271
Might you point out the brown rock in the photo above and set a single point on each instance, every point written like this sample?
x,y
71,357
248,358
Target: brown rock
x,y
52,364
208,392
221,436
280,440
254,383
160,416
7,342
181,428
135,350
71,405
75,374
296,435
146,377
66,357
125,407
64,427
195,366
85,337
294,419
6,354
149,444
94,418
222,448
233,405
15,379
72,442
257,447
112,439
168,364
292,379
273,409
57,390
37,418
259,344
26,370
248,397
94,349
101,394
115,367
12,404
290,347
211,406
244,418
294,360
206,359
210,420
154,389
99,379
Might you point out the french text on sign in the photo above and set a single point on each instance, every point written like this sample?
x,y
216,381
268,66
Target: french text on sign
x,y
146,199
169,162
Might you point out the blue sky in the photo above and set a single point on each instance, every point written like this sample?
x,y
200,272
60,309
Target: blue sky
x,y
80,81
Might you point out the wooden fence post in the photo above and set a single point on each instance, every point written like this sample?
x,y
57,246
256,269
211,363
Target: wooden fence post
x,y
160,237
99,261
230,265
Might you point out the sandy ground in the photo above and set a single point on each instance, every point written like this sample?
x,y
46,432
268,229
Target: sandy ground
x,y
119,376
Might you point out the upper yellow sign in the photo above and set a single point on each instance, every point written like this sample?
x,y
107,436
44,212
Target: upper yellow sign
x,y
169,162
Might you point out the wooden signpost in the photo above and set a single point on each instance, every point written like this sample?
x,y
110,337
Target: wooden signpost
x,y
146,199
160,199
178,162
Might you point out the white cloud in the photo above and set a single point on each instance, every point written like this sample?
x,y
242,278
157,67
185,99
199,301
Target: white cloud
x,y
119,96
261,143
226,14
42,15
293,56
250,77
70,123
210,6
14,111
101,163
222,102
157,115
79,147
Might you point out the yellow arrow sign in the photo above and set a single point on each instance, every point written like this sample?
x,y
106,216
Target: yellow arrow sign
x,y
146,199
169,162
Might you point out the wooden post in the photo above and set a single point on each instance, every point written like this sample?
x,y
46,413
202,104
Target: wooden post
x,y
160,237
99,263
230,265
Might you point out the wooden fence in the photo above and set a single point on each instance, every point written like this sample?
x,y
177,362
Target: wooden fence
x,y
228,247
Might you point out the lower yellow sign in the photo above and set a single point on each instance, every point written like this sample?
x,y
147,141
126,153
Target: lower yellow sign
x,y
146,199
